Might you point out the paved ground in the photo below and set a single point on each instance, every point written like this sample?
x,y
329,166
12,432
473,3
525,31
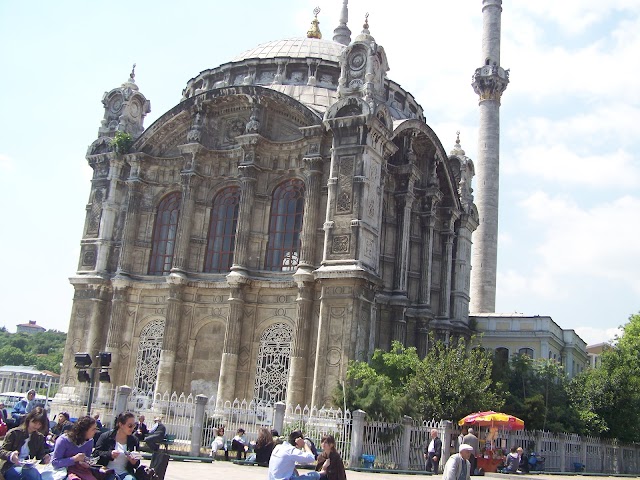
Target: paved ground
x,y
222,470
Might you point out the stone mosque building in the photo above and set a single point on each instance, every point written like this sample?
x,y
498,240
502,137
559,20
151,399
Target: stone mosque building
x,y
292,213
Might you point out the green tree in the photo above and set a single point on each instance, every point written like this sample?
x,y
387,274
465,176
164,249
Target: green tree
x,y
43,349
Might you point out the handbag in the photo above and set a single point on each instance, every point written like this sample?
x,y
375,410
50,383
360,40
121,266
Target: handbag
x,y
145,473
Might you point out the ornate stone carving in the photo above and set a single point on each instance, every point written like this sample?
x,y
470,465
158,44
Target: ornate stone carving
x,y
340,244
490,81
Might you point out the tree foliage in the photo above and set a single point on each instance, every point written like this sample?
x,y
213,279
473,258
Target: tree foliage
x,y
43,350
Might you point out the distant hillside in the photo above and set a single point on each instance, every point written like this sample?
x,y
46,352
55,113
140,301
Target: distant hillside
x,y
43,350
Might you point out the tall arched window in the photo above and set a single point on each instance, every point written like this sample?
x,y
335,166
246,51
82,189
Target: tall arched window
x,y
149,348
285,225
222,231
164,235
272,366
526,351
502,357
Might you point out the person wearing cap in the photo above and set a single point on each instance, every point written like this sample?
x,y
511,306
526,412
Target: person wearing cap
x,y
458,466
156,435
282,465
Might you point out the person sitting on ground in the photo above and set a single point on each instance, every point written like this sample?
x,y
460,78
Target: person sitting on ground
x,y
524,461
219,443
282,465
114,448
73,449
62,425
239,444
458,466
262,448
23,443
156,434
511,461
330,464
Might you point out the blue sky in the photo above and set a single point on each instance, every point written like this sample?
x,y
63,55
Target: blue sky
x,y
570,133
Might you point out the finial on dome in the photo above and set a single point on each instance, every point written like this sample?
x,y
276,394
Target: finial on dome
x,y
314,31
131,81
132,75
365,27
342,34
457,148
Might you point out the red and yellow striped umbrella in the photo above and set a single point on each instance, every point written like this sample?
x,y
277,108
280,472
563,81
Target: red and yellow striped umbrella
x,y
493,419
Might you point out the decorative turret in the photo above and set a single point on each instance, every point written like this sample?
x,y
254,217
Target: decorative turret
x,y
342,34
363,69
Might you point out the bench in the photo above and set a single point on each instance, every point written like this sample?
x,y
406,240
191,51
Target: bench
x,y
168,440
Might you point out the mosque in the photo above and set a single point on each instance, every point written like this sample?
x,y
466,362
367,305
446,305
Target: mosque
x,y
294,211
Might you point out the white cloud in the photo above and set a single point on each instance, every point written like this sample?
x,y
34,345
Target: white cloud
x,y
559,163
6,163
593,335
598,242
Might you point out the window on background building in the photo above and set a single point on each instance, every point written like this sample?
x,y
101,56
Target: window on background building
x,y
285,225
502,357
149,348
526,351
164,235
221,240
272,366
550,355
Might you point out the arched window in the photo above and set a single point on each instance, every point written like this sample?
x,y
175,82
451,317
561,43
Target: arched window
x,y
502,357
222,231
285,224
164,235
144,380
526,351
272,366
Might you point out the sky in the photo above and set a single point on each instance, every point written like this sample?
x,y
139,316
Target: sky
x,y
569,224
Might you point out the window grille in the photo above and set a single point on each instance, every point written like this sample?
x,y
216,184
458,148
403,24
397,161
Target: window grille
x,y
272,369
285,225
149,349
164,235
222,231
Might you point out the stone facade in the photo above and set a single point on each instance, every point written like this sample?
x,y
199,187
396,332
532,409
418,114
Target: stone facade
x,y
292,213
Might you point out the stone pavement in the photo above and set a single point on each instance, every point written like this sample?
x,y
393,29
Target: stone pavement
x,y
221,470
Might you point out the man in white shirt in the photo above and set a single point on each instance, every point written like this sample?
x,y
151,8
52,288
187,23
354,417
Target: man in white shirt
x,y
282,465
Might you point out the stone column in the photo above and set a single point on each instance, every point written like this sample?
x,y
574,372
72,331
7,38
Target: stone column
x,y
489,82
121,399
311,207
405,449
190,183
98,325
248,176
164,382
229,364
445,285
131,223
296,386
109,210
198,424
357,437
278,417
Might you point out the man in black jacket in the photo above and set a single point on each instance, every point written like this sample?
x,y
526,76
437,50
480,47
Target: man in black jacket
x,y
156,435
433,452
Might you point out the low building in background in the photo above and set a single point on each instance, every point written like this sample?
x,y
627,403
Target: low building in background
x,y
30,328
536,336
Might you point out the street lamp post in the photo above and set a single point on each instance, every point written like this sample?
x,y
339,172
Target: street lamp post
x,y
87,373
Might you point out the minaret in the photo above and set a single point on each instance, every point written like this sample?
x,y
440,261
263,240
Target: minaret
x,y
342,34
489,81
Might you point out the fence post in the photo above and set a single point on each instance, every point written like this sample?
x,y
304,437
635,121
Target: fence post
x,y
562,447
196,433
583,452
121,399
446,426
357,437
405,452
278,417
616,457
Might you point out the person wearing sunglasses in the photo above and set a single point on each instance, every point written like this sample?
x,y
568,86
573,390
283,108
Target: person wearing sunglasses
x,y
117,448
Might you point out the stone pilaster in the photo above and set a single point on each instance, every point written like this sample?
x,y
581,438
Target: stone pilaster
x,y
228,367
445,276
190,182
109,211
131,223
462,270
248,178
311,206
172,326
300,348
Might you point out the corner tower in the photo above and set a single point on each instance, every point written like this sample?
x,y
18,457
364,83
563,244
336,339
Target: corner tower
x,y
489,81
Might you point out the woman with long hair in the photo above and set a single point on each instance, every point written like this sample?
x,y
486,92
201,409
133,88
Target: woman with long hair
x,y
330,463
117,448
73,448
22,444
262,448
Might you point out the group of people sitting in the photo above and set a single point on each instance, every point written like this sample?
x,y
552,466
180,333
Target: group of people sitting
x,y
515,462
282,456
75,454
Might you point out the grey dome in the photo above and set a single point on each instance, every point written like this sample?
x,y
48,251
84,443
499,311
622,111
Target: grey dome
x,y
295,48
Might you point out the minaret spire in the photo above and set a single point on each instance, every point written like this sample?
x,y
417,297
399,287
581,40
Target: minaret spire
x,y
489,82
342,34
